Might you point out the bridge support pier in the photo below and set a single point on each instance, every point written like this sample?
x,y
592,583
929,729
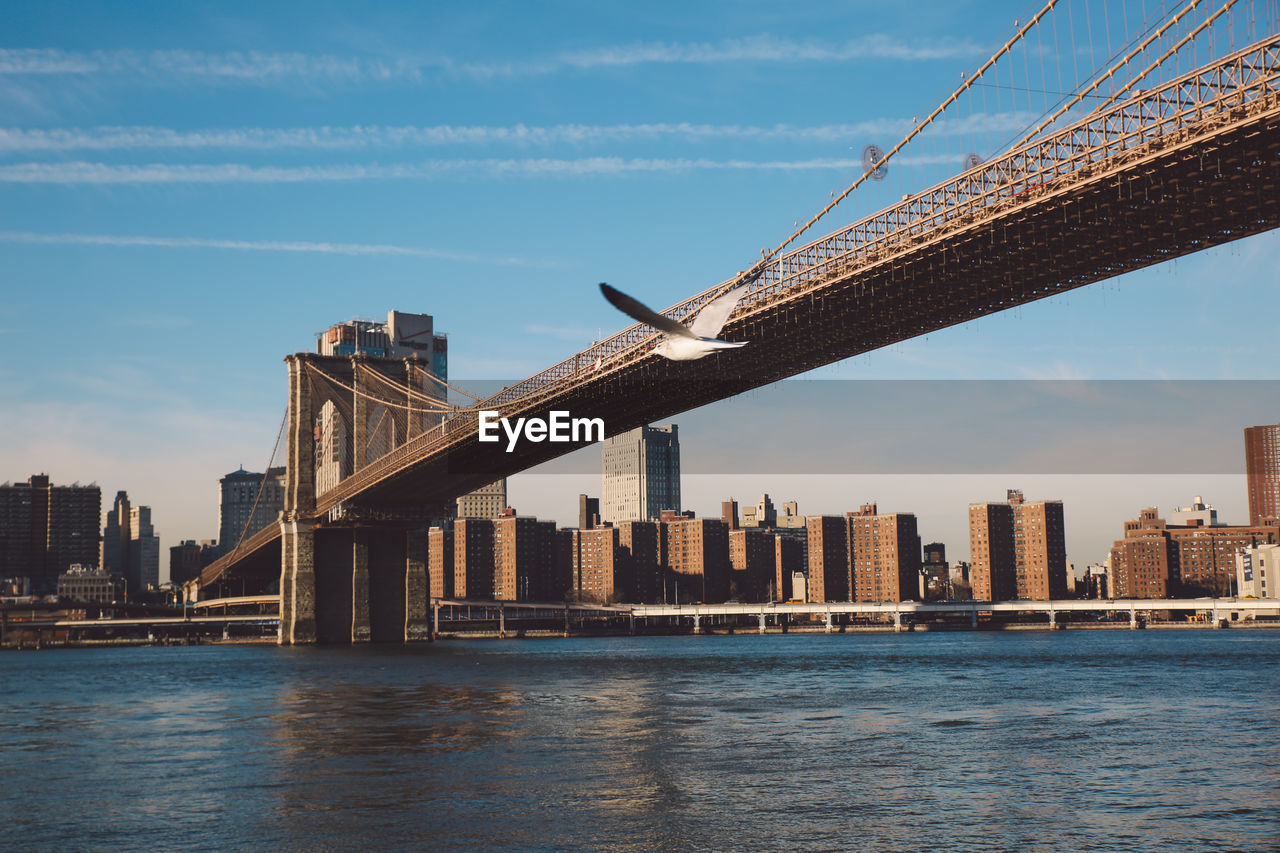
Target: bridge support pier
x,y
897,622
762,623
417,590
1053,620
354,585
827,622
360,629
697,624
973,619
1133,619
297,582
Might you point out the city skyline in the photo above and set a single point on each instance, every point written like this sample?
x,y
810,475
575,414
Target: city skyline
x,y
948,524
447,172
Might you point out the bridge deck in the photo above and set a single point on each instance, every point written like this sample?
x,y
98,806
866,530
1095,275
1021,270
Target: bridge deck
x,y
1189,165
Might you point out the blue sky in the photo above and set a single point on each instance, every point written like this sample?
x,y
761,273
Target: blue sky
x,y
190,191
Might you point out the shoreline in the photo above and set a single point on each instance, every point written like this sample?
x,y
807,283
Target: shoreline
x,y
549,634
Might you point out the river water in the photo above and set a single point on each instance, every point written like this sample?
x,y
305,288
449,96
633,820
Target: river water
x,y
1077,740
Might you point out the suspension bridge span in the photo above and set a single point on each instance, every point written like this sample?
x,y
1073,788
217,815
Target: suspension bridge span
x,y
1151,175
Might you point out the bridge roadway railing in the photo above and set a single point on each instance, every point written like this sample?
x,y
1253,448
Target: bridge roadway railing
x,y
210,573
1070,605
1191,106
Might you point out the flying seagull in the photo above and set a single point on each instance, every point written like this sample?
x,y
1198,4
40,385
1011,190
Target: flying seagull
x,y
683,343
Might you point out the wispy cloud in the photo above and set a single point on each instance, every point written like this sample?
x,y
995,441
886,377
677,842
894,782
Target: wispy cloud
x,y
125,241
751,49
230,173
257,67
234,66
339,138
14,139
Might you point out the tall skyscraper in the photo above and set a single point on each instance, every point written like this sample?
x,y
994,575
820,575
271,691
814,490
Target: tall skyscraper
x,y
1262,468
697,554
588,512
144,552
828,547
592,563
1018,549
641,470
241,510
524,560
45,529
116,537
884,555
485,502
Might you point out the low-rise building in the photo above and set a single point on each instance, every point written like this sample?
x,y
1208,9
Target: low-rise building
x,y
90,583
1159,560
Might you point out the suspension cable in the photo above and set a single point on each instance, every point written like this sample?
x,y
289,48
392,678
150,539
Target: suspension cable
x,y
758,268
407,390
1098,81
406,407
1170,52
262,485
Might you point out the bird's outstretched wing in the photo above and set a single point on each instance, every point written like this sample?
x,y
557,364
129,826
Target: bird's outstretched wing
x,y
712,317
627,305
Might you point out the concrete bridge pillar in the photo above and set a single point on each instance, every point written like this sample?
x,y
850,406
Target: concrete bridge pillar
x,y
827,622
697,623
762,623
360,628
973,619
1053,620
297,582
1133,618
297,522
417,591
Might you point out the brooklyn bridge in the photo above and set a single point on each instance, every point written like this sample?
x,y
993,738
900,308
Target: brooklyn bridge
x,y
1141,163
